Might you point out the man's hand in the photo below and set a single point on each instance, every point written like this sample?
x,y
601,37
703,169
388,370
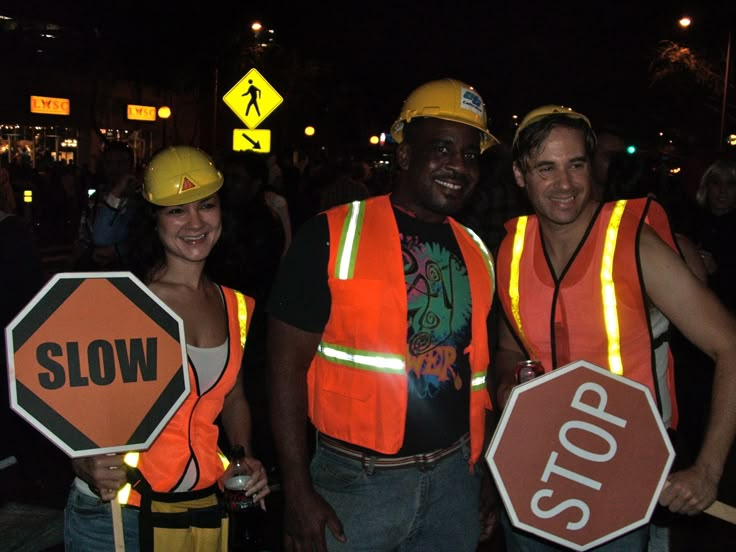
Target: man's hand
x,y
689,491
104,473
305,518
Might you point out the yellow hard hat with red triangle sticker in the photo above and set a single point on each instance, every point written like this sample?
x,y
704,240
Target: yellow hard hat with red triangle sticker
x,y
186,184
180,174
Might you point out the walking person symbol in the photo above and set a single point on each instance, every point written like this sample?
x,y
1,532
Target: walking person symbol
x,y
254,92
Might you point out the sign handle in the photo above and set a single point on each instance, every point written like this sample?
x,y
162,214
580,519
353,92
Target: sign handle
x,y
723,511
117,524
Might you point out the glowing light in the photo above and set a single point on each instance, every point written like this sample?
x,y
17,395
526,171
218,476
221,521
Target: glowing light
x,y
309,131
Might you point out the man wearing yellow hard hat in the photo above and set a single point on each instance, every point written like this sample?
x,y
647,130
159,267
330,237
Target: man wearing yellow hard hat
x,y
377,335
577,280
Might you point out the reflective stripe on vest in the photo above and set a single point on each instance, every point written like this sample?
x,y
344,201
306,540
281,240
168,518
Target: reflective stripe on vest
x,y
362,360
344,270
130,459
484,251
608,288
349,241
242,317
518,249
223,459
478,380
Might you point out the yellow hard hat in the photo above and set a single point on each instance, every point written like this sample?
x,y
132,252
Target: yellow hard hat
x,y
448,99
180,174
545,111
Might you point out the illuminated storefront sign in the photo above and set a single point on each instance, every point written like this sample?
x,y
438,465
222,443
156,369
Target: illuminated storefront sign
x,y
141,112
50,106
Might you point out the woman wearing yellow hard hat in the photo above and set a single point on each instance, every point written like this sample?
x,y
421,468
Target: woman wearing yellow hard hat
x,y
170,491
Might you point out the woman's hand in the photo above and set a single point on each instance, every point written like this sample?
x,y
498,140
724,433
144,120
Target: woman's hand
x,y
104,473
257,486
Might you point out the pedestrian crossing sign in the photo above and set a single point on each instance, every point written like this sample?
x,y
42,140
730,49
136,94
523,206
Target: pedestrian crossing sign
x,y
252,99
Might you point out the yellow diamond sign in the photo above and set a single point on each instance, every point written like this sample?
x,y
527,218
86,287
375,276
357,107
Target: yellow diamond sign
x,y
252,98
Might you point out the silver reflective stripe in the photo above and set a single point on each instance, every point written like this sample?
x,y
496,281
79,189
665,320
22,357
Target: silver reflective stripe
x,y
362,360
484,250
349,240
478,382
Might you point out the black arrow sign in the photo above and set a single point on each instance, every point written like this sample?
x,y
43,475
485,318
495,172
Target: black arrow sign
x,y
256,143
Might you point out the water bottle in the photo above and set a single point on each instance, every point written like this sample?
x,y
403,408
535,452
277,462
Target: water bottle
x,y
245,516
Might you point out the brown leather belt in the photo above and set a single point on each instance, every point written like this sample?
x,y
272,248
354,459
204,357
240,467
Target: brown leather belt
x,y
370,461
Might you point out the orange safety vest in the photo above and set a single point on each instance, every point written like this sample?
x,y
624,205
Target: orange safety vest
x,y
357,381
187,447
597,310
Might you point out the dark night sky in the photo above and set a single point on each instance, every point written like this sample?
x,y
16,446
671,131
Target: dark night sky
x,y
593,56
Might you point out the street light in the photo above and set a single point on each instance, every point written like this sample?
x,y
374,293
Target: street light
x,y
164,112
685,22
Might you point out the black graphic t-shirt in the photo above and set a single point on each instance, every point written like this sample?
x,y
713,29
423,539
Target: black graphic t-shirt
x,y
439,309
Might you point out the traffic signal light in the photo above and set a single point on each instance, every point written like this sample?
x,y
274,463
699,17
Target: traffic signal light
x,y
631,149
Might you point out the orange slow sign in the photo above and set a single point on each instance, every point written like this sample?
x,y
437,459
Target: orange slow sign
x,y
97,363
141,112
50,106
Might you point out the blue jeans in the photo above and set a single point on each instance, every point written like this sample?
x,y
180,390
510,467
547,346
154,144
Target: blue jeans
x,y
402,509
521,541
88,525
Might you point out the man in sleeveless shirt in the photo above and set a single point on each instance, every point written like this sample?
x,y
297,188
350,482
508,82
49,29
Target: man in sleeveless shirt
x,y
556,311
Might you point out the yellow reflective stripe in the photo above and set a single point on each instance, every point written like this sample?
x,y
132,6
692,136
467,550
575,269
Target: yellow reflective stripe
x,y
484,250
517,251
242,317
131,459
124,493
223,459
608,290
478,382
362,360
349,240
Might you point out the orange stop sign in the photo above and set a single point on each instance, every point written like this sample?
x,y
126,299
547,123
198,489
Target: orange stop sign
x,y
580,456
97,363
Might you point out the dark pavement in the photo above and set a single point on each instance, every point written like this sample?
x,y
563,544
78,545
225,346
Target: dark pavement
x,y
33,493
